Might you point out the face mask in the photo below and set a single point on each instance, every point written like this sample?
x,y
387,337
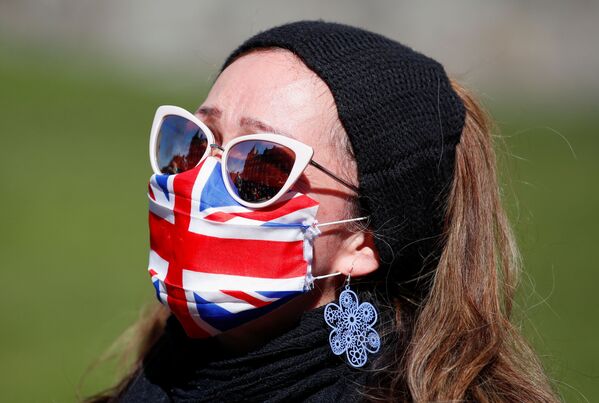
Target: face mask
x,y
217,264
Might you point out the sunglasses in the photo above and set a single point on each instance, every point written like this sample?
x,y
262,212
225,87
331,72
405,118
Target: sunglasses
x,y
258,168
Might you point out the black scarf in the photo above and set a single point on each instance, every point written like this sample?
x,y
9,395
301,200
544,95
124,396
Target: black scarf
x,y
295,366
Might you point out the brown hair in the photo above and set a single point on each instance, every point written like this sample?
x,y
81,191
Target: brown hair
x,y
457,343
461,343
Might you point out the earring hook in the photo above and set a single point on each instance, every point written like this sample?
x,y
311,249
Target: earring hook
x,y
347,280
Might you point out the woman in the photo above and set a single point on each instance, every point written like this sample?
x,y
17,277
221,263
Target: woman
x,y
402,156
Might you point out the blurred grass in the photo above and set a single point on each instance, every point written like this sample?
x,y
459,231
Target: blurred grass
x,y
551,173
74,221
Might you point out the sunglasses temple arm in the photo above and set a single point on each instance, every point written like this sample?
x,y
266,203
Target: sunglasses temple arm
x,y
333,176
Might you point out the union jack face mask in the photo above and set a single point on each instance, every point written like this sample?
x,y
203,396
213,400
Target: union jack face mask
x,y
229,242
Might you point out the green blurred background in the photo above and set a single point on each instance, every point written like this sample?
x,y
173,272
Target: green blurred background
x,y
75,113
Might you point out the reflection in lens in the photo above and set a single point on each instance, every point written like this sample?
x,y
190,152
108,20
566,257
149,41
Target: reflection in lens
x,y
259,169
181,144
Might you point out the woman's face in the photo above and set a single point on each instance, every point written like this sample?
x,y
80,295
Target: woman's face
x,y
273,91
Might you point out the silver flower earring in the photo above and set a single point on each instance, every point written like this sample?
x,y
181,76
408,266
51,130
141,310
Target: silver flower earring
x,y
352,323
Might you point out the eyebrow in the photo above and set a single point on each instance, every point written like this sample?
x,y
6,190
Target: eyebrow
x,y
245,121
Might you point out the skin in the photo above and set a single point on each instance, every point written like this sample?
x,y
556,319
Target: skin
x,y
273,91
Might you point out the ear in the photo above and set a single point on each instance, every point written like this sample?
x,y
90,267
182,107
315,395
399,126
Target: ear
x,y
357,254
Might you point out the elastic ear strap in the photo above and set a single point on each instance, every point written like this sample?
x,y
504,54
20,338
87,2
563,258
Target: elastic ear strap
x,y
341,221
327,275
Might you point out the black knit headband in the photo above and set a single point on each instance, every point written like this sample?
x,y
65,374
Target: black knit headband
x,y
403,120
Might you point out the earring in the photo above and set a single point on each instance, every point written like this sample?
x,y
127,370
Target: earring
x,y
352,323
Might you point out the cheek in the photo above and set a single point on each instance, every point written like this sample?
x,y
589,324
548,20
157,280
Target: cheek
x,y
302,185
328,244
325,252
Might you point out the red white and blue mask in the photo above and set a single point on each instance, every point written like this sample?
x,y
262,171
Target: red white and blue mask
x,y
217,264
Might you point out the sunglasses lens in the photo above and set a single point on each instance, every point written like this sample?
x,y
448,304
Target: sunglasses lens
x,y
180,145
259,169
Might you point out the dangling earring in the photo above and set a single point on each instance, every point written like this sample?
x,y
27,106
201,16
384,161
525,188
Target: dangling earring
x,y
352,323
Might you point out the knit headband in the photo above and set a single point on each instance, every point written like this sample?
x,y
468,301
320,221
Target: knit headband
x,y
403,121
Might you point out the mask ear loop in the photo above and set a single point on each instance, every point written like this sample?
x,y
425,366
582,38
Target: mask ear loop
x,y
333,275
316,226
340,221
312,278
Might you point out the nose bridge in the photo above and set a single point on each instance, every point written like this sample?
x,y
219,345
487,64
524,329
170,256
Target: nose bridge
x,y
216,150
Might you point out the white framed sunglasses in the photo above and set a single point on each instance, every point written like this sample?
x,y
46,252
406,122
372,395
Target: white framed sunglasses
x,y
257,168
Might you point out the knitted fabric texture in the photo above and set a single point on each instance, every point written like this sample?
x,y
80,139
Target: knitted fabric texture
x,y
403,121
297,365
